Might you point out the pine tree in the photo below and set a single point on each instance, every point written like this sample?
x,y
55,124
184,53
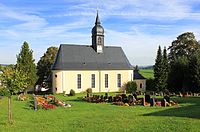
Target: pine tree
x,y
158,70
165,68
26,66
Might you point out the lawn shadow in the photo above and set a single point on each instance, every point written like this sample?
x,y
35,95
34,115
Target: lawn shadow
x,y
189,111
78,99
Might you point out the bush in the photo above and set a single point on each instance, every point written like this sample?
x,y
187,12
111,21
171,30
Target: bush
x,y
89,90
72,92
131,87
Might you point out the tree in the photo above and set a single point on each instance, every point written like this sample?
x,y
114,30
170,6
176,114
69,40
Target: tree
x,y
13,82
194,70
184,45
131,87
178,76
45,63
150,84
26,66
181,51
165,68
158,71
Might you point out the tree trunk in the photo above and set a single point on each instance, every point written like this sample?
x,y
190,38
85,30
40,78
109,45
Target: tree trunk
x,y
9,110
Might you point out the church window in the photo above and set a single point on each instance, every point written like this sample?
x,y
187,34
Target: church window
x,y
93,81
106,80
140,85
79,81
118,80
55,76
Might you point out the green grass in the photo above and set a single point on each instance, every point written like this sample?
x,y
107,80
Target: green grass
x,y
147,73
90,117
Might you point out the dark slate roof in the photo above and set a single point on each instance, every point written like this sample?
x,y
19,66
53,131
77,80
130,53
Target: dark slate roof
x,y
137,75
84,57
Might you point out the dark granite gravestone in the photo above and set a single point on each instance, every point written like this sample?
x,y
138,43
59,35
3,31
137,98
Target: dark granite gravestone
x,y
147,98
167,98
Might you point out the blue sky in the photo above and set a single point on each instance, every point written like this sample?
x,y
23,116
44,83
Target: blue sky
x,y
137,26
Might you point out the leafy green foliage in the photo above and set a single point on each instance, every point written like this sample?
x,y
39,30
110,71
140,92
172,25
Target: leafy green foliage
x,y
89,90
26,66
183,59
45,63
194,72
184,45
131,87
13,81
150,84
178,76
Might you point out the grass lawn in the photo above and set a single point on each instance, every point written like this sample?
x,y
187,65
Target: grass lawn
x,y
147,73
83,116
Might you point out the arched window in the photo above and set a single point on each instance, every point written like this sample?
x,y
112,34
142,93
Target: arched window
x,y
140,85
99,40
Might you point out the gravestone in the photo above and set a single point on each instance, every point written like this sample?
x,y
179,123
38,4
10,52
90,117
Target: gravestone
x,y
147,98
163,103
152,103
167,98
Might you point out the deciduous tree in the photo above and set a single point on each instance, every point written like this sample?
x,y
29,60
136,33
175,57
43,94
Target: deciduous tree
x,y
45,63
194,72
185,45
13,82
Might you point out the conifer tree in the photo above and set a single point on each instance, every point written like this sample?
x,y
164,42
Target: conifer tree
x,y
26,66
165,68
158,70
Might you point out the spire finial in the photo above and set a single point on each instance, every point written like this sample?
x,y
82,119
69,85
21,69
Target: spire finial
x,y
97,18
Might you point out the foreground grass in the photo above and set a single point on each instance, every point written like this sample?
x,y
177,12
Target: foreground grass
x,y
147,73
83,116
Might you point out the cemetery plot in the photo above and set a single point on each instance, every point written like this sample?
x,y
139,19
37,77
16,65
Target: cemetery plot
x,y
130,100
48,102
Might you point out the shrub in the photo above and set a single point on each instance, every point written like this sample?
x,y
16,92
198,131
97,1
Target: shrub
x,y
131,87
72,92
89,90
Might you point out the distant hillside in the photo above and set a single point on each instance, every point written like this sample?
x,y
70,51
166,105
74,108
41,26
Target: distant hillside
x,y
147,73
146,67
4,64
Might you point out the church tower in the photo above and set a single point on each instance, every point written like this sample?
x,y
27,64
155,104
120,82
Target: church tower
x,y
98,36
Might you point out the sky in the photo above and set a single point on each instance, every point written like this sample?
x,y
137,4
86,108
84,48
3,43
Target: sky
x,y
138,26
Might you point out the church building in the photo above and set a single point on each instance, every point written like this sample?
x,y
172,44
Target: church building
x,y
98,66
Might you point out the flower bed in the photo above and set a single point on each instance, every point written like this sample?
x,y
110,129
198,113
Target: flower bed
x,y
48,102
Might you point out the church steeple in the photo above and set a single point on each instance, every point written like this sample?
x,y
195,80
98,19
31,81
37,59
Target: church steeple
x,y
97,19
98,36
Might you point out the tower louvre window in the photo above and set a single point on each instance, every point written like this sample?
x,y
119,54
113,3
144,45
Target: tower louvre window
x,y
99,40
